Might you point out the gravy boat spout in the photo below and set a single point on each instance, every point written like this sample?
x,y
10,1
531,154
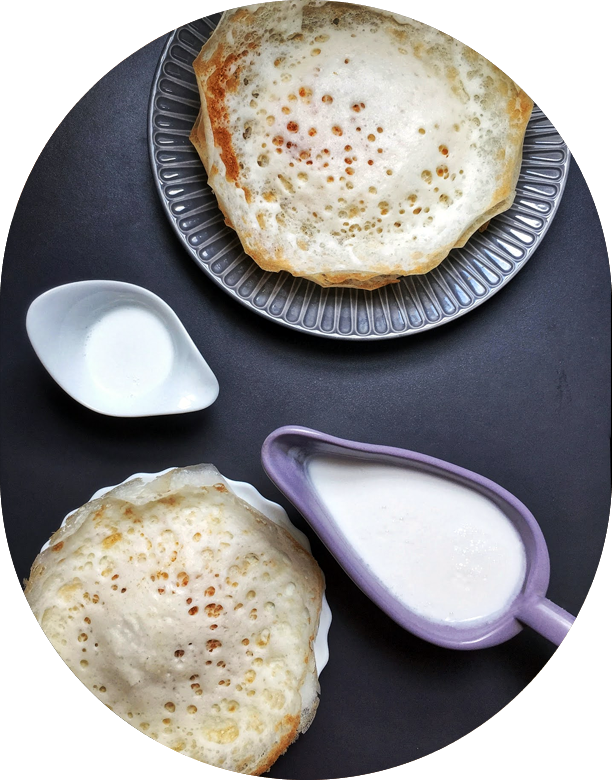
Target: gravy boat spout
x,y
287,455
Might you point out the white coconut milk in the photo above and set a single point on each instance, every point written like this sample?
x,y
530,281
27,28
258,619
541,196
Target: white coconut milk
x,y
444,550
128,352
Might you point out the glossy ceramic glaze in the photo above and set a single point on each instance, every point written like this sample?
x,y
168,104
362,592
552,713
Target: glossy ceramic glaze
x,y
285,456
120,350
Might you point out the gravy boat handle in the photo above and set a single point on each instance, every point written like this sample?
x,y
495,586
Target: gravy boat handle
x,y
546,617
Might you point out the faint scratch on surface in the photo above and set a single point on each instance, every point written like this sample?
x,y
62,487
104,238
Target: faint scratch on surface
x,y
564,394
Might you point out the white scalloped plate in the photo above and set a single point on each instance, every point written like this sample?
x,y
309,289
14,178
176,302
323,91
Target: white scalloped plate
x,y
273,512
467,277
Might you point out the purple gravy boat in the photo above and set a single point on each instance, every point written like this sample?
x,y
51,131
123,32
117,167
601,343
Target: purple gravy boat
x,y
285,455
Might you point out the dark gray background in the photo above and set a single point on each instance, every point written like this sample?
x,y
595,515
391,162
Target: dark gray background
x,y
518,390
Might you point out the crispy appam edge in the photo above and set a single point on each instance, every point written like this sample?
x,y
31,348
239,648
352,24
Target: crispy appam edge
x,y
518,109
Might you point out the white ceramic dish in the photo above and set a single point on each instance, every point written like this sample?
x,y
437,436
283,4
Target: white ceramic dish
x,y
119,350
273,512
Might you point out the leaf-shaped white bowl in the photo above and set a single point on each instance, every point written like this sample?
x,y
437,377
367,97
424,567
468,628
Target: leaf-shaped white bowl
x,y
119,350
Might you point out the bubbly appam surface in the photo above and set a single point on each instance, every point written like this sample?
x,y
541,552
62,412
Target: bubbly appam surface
x,y
189,614
350,146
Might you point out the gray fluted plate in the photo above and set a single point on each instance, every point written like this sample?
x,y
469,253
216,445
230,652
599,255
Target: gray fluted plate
x,y
467,277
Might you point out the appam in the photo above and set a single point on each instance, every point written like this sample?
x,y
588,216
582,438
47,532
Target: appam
x,y
351,146
189,614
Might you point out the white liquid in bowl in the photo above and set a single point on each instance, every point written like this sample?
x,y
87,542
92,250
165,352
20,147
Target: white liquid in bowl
x,y
444,550
128,352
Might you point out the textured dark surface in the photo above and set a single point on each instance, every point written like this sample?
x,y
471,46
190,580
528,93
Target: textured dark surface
x,y
518,390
